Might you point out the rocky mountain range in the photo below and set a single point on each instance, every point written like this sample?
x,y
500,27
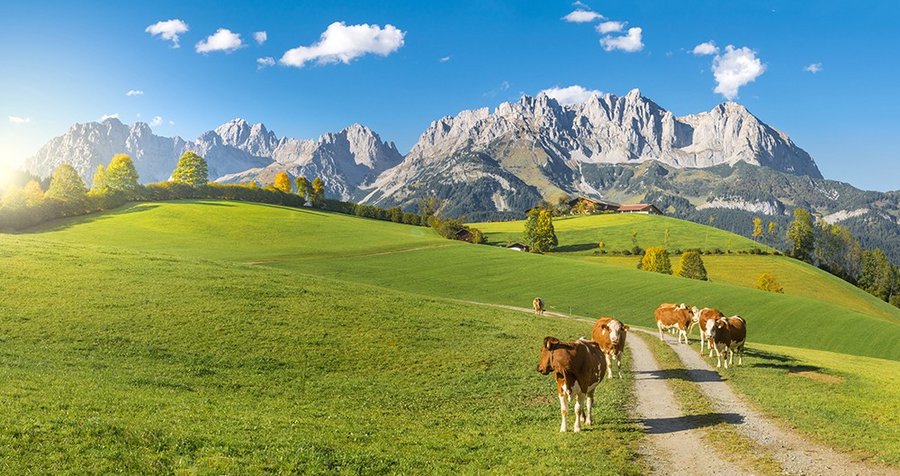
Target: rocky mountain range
x,y
482,164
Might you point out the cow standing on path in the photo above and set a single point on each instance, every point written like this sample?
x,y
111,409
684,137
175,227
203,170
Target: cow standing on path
x,y
577,367
610,335
538,306
728,335
701,317
674,316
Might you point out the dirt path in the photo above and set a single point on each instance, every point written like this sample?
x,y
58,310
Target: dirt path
x,y
674,444
796,454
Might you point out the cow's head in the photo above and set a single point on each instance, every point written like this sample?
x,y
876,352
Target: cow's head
x,y
615,330
545,366
715,327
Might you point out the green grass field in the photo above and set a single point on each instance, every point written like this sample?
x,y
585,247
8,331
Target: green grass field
x,y
123,361
213,337
578,237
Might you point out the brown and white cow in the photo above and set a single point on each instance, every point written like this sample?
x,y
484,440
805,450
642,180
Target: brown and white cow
x,y
727,336
701,316
670,316
538,306
610,335
577,367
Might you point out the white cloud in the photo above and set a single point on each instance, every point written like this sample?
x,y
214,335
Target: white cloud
x,y
611,27
628,43
168,30
706,48
19,120
265,62
156,121
134,92
343,43
735,68
574,94
260,37
171,123
582,16
222,40
814,68
445,59
109,116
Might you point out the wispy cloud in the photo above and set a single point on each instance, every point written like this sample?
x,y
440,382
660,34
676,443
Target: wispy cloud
x,y
706,48
504,86
611,27
341,43
444,59
582,16
222,40
156,121
109,116
734,69
265,62
134,92
628,43
168,30
814,68
574,94
19,120
260,37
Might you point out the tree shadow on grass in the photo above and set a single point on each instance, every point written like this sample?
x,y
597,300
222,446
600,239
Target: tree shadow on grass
x,y
575,247
656,426
60,224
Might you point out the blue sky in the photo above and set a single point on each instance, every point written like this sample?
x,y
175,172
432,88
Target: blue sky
x,y
64,63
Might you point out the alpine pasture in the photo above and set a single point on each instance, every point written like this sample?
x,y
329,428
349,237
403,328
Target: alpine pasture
x,y
220,337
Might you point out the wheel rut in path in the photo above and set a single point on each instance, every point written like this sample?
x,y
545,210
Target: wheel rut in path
x,y
796,454
674,442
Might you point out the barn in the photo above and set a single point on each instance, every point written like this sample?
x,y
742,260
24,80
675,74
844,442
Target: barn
x,y
646,208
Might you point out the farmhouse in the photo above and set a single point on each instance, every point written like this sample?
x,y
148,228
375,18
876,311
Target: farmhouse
x,y
463,234
518,246
647,208
588,206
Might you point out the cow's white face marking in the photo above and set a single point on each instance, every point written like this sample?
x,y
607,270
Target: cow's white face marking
x,y
710,325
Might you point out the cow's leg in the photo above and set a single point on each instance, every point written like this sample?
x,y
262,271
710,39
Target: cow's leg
x,y
579,411
608,365
741,356
682,333
660,327
564,410
702,341
718,357
619,364
589,407
709,345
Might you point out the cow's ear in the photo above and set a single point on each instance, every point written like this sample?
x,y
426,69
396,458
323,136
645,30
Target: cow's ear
x,y
549,342
605,327
625,327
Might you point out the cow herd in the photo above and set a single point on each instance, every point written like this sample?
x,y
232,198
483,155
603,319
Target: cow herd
x,y
579,366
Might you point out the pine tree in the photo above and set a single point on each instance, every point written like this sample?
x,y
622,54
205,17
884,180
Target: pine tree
x,y
876,274
282,182
191,170
66,185
656,259
121,176
691,266
539,232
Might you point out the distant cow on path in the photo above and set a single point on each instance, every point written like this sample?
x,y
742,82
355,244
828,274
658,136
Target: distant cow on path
x,y
610,335
670,316
727,336
577,368
701,317
538,306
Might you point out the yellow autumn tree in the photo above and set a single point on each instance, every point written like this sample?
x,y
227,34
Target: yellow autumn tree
x,y
282,182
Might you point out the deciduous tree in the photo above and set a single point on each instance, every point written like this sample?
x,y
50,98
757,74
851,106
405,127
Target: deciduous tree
x,y
282,182
802,235
98,185
302,186
656,259
767,282
539,232
191,170
121,176
757,228
317,197
66,185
